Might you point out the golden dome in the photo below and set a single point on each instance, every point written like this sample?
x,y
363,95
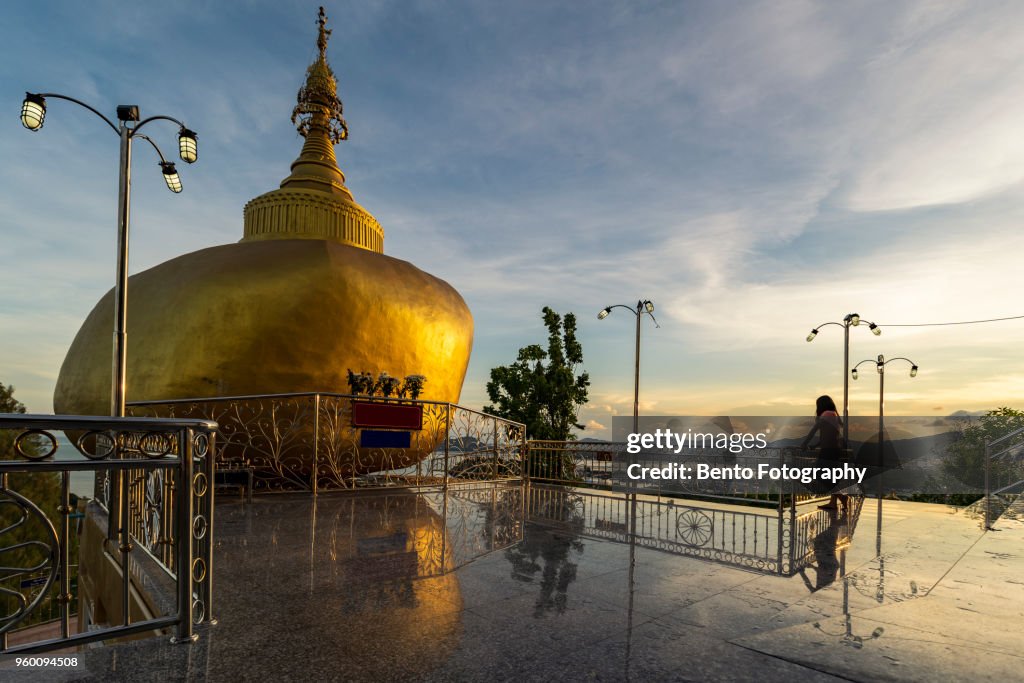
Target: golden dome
x,y
304,297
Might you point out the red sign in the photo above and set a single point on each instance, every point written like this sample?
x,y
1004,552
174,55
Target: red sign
x,y
387,415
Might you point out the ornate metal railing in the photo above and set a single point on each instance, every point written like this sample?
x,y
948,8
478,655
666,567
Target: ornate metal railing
x,y
142,466
310,441
803,531
775,542
603,465
1004,472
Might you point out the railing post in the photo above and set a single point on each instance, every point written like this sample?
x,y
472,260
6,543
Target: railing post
x,y
124,534
316,439
65,554
494,460
211,469
524,458
447,441
988,488
184,534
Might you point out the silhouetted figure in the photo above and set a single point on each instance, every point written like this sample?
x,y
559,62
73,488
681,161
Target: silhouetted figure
x,y
828,426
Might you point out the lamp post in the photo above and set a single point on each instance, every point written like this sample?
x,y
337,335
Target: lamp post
x,y
642,307
880,364
850,320
33,115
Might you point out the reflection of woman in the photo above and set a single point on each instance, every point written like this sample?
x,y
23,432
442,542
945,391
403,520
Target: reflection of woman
x,y
826,559
827,424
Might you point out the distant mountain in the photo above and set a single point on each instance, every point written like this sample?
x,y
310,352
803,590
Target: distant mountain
x,y
968,413
906,450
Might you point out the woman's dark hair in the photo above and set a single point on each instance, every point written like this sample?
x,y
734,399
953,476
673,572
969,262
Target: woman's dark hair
x,y
825,403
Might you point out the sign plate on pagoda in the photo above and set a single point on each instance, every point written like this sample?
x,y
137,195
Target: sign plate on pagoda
x,y
386,415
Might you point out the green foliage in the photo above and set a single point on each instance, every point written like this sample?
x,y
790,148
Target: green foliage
x,y
541,389
964,459
9,404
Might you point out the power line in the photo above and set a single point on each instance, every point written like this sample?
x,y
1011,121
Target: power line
x,y
964,322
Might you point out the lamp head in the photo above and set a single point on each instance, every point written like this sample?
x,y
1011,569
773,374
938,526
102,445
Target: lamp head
x,y
853,319
913,371
854,373
648,306
875,329
812,335
128,112
188,145
604,313
33,111
171,176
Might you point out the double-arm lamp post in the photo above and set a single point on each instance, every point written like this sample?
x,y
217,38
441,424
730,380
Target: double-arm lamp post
x,y
33,114
880,364
850,320
642,307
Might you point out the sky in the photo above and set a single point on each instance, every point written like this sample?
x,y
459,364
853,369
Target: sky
x,y
754,169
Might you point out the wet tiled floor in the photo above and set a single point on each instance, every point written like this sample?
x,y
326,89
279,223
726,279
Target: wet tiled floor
x,y
465,587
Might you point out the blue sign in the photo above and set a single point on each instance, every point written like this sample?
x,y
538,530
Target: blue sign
x,y
372,438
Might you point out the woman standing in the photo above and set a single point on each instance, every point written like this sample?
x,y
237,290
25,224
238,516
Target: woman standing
x,y
828,425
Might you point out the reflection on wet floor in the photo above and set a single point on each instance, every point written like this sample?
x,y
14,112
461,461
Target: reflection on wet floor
x,y
500,582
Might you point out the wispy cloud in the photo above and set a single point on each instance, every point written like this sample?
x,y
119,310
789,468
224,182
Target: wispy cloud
x,y
754,169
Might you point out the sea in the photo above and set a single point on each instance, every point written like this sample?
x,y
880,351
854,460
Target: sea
x,y
81,482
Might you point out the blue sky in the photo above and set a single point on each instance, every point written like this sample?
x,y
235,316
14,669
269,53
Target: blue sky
x,y
755,169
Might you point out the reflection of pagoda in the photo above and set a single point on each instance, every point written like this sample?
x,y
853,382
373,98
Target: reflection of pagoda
x,y
305,296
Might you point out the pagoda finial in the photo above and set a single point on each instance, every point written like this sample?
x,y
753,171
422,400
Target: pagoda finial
x,y
325,33
318,106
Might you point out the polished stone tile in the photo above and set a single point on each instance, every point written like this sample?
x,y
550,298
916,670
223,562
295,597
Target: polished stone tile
x,y
404,587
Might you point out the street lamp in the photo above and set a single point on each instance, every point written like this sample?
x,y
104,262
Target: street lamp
x,y
33,115
642,307
850,320
880,364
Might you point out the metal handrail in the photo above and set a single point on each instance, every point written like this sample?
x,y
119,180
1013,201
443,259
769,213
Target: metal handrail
x,y
1007,436
187,451
76,422
293,394
313,394
782,495
989,456
308,441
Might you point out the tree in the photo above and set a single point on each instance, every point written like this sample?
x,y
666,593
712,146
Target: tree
x,y
541,389
964,458
9,404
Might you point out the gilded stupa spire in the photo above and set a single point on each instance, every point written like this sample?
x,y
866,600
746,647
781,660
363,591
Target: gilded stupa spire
x,y
313,202
318,104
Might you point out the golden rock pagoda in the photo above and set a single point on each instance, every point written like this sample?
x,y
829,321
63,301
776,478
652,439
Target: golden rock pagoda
x,y
306,295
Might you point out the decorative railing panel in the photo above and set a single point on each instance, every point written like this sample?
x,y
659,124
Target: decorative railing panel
x,y
603,465
311,442
772,541
802,532
138,464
